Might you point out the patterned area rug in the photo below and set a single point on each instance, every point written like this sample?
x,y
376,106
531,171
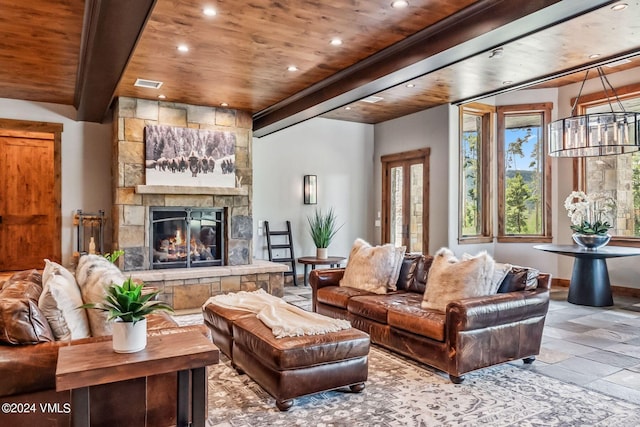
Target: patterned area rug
x,y
401,392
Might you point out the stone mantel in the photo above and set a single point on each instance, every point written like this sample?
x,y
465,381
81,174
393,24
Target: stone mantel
x,y
171,189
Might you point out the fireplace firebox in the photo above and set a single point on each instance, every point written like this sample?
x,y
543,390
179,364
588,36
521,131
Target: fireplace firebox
x,y
186,237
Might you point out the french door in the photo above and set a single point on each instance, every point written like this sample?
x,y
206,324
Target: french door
x,y
405,200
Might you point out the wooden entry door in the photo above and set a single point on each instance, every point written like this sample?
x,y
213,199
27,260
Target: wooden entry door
x,y
29,204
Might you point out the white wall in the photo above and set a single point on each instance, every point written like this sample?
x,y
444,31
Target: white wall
x,y
340,154
86,162
419,130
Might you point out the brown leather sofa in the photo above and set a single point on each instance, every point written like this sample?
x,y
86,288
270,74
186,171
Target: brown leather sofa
x,y
474,333
27,386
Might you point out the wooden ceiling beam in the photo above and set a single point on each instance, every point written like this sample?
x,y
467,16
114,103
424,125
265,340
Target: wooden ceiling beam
x,y
480,27
110,32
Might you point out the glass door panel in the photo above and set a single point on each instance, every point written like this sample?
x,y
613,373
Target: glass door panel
x,y
416,191
395,215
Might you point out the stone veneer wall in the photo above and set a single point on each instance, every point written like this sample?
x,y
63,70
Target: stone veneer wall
x,y
130,208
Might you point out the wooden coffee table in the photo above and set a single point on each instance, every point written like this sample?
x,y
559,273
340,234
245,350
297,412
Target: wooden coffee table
x,y
84,365
313,261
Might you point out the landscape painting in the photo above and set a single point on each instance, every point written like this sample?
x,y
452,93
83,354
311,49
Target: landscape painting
x,y
189,157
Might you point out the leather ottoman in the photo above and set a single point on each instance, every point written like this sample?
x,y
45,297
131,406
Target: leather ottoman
x,y
291,367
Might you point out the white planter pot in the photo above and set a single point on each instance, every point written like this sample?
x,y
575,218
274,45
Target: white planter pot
x,y
322,253
129,337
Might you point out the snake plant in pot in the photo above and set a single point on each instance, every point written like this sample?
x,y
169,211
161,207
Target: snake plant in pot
x,y
127,305
323,227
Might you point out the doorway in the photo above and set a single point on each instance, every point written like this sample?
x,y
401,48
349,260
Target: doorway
x,y
405,199
30,202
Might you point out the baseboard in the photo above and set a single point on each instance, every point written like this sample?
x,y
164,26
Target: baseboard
x,y
615,290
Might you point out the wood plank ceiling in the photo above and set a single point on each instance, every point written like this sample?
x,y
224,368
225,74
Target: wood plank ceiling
x,y
86,53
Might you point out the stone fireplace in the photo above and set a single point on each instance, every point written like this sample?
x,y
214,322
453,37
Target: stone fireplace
x,y
134,203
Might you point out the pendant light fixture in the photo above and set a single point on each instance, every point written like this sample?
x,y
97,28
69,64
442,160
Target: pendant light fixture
x,y
597,134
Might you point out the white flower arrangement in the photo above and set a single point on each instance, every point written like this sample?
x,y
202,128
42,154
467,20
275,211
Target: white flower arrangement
x,y
589,213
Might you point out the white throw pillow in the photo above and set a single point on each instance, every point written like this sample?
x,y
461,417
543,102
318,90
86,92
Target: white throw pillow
x,y
373,268
451,279
94,275
59,303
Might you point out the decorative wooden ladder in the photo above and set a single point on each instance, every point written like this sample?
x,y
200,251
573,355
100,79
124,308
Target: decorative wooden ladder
x,y
288,245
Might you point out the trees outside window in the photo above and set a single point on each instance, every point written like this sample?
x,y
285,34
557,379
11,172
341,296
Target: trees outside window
x,y
475,178
524,175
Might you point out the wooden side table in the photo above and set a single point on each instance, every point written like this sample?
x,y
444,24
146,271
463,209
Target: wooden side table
x,y
85,365
332,261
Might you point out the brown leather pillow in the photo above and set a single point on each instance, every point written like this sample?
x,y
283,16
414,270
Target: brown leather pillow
x,y
407,271
519,279
419,282
21,321
30,275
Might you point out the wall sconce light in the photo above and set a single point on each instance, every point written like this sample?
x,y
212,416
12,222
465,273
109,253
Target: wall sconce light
x,y
310,189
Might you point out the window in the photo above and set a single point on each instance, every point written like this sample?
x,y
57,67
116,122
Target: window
x,y
475,177
524,174
616,176
405,199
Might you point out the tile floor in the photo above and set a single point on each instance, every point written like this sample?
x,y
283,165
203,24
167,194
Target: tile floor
x,y
594,347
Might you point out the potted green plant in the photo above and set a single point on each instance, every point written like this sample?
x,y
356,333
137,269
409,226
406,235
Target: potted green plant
x,y
323,227
128,307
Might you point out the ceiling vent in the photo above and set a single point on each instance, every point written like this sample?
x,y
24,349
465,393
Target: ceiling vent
x,y
372,99
149,84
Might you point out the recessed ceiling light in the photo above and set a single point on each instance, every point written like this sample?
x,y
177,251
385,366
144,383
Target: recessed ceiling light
x,y
335,41
209,11
347,108
372,99
183,48
619,6
411,85
224,104
507,82
399,4
292,68
162,96
594,56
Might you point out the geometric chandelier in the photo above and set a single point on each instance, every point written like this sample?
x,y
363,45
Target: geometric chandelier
x,y
597,134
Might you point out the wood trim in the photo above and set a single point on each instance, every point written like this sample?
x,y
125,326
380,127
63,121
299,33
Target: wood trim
x,y
597,98
111,30
544,108
407,155
481,26
54,131
621,291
